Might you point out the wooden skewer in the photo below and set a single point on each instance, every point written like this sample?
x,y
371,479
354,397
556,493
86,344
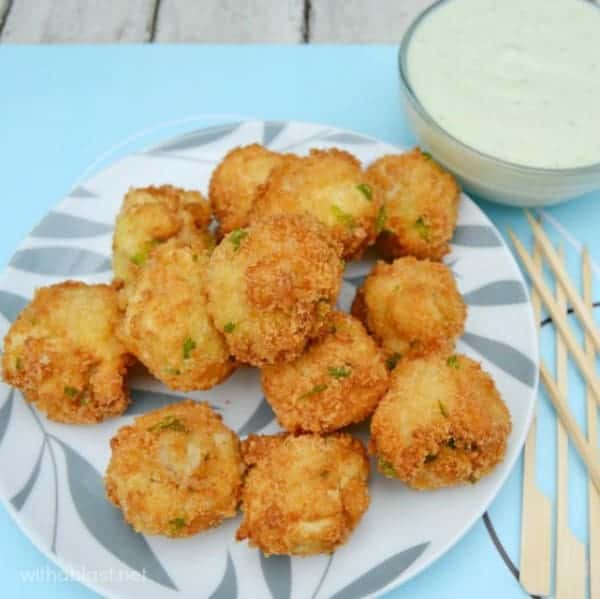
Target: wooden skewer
x,y
559,270
588,455
536,543
570,553
559,319
592,428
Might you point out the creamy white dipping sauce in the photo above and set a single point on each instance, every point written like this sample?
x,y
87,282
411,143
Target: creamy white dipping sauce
x,y
517,79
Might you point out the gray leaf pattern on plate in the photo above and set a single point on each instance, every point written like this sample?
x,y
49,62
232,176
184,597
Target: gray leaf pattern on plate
x,y
105,522
504,356
201,137
262,416
5,414
498,293
356,281
20,498
272,130
61,261
58,225
480,236
82,192
11,305
277,571
349,138
227,588
381,575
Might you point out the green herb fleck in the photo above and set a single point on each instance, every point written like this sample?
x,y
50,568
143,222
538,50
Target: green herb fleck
x,y
392,361
229,327
236,237
380,220
316,389
366,190
426,155
386,468
71,392
84,400
189,345
168,423
452,361
195,257
339,372
171,370
451,443
177,524
343,217
473,479
139,258
18,363
423,229
443,409
430,458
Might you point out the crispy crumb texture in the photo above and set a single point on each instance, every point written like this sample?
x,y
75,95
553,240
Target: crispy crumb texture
x,y
442,423
63,354
303,495
175,471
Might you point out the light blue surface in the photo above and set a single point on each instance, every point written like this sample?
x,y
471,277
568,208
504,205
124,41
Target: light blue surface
x,y
63,107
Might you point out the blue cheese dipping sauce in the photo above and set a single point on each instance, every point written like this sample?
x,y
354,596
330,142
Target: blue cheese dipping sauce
x,y
516,79
506,93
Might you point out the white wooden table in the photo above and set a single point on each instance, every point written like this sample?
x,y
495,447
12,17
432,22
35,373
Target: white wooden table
x,y
206,21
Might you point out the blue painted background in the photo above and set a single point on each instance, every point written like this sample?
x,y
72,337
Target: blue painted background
x,y
62,107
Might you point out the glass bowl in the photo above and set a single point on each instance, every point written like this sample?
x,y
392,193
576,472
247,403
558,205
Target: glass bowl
x,y
482,174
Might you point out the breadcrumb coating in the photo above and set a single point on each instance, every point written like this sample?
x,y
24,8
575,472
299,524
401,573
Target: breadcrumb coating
x,y
337,381
271,286
63,354
412,307
303,495
150,216
442,423
420,202
166,324
331,186
175,471
235,182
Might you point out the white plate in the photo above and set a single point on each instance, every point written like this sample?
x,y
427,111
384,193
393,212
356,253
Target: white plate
x,y
51,474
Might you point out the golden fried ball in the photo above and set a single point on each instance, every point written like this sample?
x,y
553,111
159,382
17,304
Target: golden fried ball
x,y
303,495
441,423
235,182
412,307
175,471
421,205
271,286
150,216
337,381
166,324
331,186
63,354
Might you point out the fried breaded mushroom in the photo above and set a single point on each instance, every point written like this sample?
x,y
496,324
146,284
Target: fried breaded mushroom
x,y
412,307
63,354
420,202
302,495
331,186
235,182
175,471
166,324
271,286
442,423
150,216
337,381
